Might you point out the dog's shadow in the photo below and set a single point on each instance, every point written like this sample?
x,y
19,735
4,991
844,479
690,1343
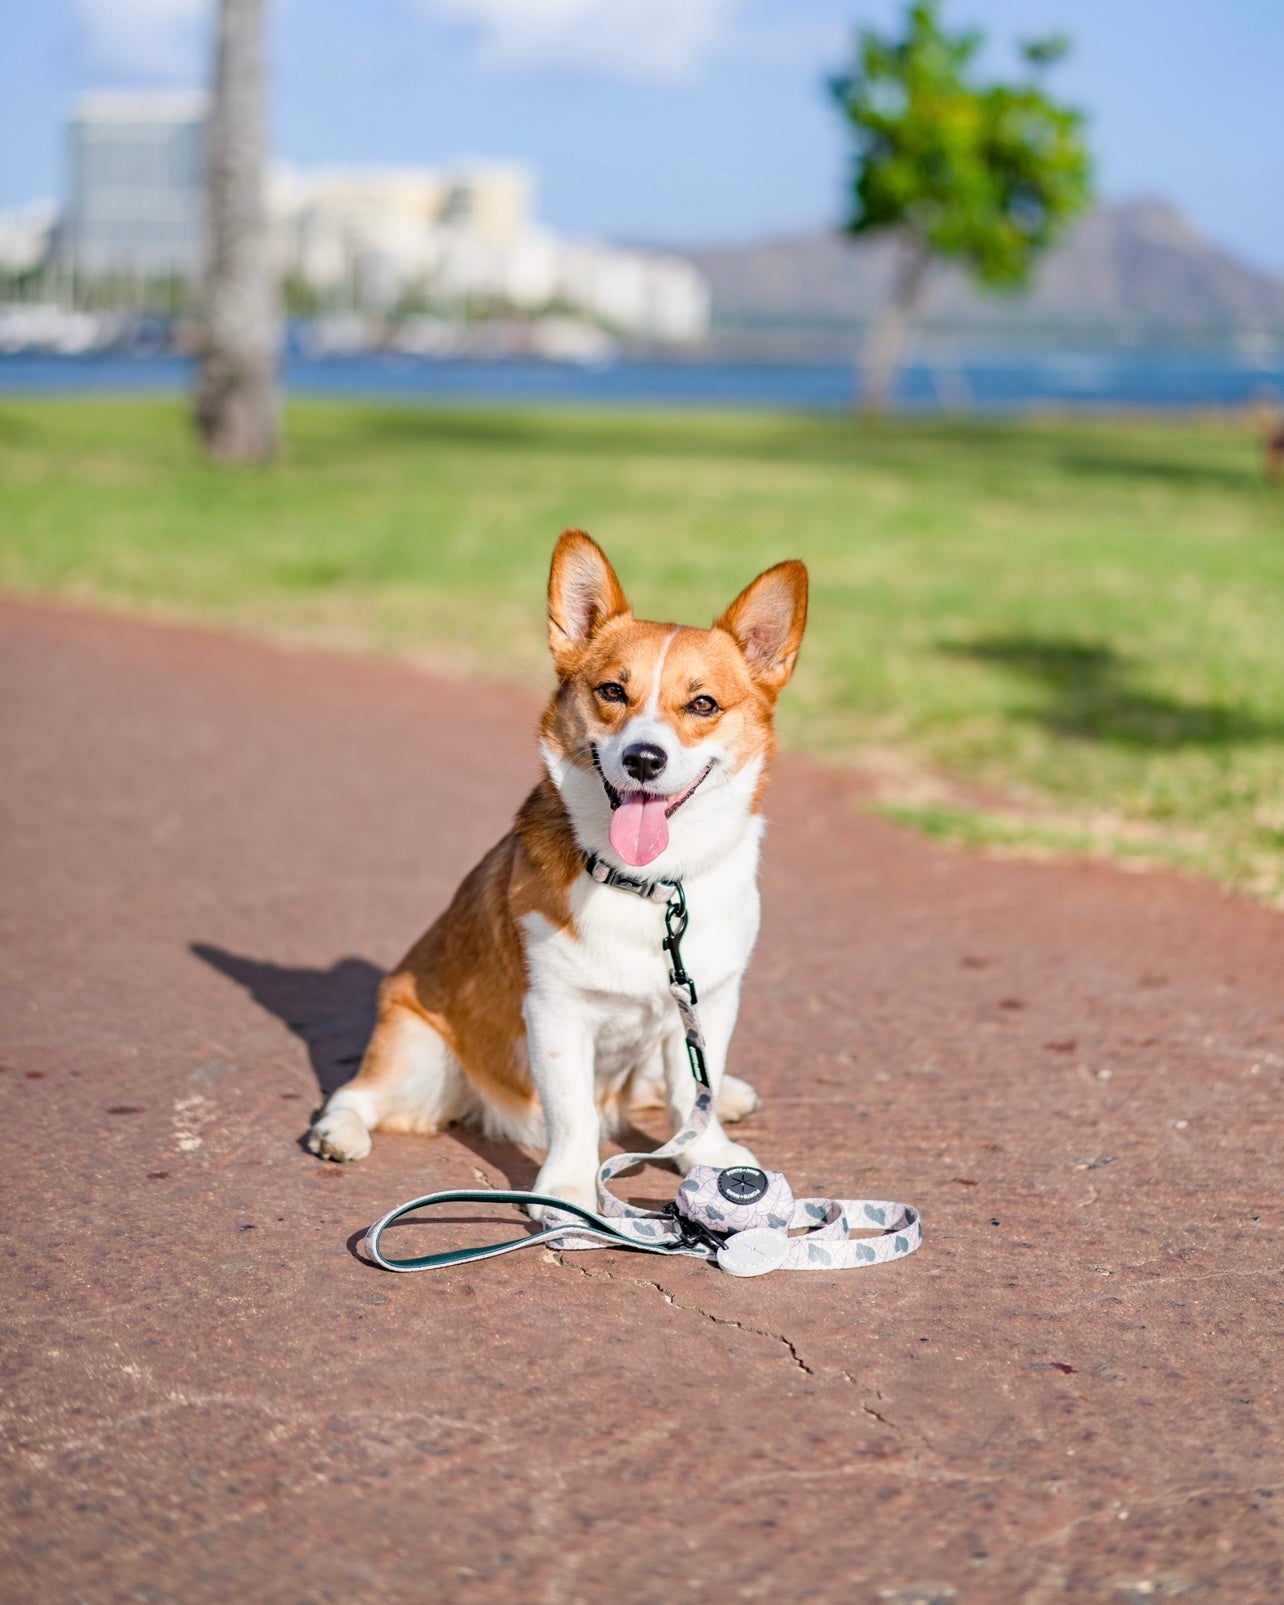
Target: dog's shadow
x,y
332,1012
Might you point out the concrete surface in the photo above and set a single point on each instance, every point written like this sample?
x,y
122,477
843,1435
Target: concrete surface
x,y
1072,1393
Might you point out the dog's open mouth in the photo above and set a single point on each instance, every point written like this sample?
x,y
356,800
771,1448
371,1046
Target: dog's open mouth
x,y
640,819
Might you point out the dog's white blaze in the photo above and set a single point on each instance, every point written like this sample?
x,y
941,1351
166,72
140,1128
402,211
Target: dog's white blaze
x,y
652,709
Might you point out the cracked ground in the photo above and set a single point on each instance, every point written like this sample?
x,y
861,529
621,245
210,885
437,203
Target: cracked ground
x,y
209,850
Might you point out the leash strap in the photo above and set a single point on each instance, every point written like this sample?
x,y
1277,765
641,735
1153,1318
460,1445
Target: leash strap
x,y
745,1219
616,1225
826,1243
569,1219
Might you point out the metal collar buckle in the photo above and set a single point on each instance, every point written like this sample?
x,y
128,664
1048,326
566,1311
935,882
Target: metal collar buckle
x,y
659,891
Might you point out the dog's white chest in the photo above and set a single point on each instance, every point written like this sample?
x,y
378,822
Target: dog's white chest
x,y
612,971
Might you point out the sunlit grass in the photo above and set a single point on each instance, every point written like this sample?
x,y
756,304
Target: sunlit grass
x,y
1084,620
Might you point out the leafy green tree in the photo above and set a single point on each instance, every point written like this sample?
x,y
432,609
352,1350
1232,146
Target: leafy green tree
x,y
983,175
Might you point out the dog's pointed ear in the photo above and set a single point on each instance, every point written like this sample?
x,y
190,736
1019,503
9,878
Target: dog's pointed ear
x,y
583,593
767,621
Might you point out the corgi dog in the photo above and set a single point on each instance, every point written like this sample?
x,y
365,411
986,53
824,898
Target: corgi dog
x,y
538,1007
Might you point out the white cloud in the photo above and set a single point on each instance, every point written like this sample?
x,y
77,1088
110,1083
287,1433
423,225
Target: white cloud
x,y
650,40
664,40
150,39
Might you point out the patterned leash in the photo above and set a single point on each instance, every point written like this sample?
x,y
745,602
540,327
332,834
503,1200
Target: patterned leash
x,y
744,1219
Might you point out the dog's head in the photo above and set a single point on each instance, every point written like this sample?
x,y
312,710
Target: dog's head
x,y
658,734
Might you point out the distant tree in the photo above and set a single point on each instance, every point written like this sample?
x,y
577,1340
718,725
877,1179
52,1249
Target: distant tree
x,y
301,298
236,401
984,175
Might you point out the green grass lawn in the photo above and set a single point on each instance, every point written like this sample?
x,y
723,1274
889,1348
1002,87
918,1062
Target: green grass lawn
x,y
1064,635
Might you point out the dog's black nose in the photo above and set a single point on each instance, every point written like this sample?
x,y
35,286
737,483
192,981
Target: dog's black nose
x,y
644,760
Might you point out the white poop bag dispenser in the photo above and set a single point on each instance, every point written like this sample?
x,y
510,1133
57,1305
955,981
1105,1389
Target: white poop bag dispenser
x,y
745,1219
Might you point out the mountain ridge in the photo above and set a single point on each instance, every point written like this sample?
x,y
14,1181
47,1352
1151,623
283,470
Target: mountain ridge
x,y
1136,270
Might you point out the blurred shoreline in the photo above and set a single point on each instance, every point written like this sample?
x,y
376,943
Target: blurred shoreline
x,y
1107,380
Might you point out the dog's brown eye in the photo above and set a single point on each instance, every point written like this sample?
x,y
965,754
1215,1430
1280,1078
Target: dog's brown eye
x,y
704,706
611,691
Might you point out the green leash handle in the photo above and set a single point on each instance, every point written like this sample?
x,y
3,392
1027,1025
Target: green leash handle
x,y
587,1225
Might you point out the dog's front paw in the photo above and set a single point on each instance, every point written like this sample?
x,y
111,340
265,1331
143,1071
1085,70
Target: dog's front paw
x,y
571,1189
736,1099
340,1134
720,1155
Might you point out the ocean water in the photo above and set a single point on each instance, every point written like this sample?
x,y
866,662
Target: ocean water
x,y
1000,384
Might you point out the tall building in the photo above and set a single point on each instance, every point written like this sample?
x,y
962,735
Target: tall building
x,y
136,170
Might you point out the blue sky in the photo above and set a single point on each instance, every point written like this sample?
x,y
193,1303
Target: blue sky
x,y
682,121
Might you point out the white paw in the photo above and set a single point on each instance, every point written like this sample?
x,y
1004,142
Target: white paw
x,y
340,1134
719,1154
572,1189
647,1092
736,1099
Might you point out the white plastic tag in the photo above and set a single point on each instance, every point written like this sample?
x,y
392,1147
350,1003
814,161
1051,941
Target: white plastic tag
x,y
754,1252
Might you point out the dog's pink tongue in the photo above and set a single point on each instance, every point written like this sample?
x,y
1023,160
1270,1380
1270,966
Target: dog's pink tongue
x,y
639,829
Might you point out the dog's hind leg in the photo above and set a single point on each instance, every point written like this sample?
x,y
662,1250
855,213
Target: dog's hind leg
x,y
647,1090
409,1081
736,1099
646,1087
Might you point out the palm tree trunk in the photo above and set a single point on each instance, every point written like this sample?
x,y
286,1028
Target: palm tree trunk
x,y
880,355
236,401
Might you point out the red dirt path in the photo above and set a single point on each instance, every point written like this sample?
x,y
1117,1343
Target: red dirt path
x,y
1072,1393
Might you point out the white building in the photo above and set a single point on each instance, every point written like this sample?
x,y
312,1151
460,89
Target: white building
x,y
136,177
366,238
372,233
663,298
375,235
